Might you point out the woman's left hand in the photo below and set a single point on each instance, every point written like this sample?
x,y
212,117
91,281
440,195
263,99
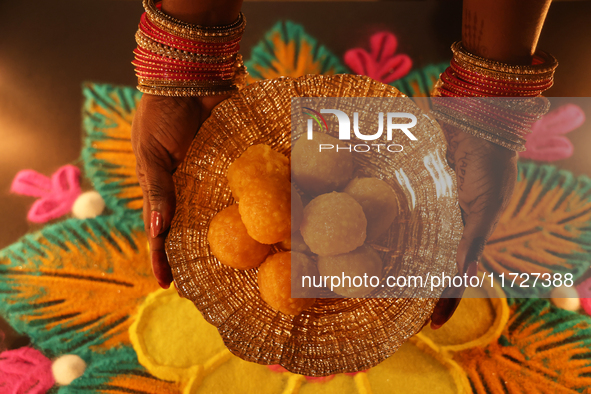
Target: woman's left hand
x,y
486,175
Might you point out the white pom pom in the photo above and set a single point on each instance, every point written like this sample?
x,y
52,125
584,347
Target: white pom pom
x,y
565,297
67,368
88,205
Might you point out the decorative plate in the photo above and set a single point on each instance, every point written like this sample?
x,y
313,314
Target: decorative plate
x,y
335,335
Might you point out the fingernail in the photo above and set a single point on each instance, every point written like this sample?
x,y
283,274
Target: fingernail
x,y
155,224
163,285
435,326
472,269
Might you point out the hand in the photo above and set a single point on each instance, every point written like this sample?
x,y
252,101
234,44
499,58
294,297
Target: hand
x,y
161,134
486,175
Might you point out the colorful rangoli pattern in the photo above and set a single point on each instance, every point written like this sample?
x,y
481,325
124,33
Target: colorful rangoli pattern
x,y
85,287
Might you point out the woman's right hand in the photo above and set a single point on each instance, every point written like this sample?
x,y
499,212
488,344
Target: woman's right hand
x,y
162,131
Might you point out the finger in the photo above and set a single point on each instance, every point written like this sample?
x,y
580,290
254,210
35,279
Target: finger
x,y
445,308
450,299
478,226
160,266
158,208
161,198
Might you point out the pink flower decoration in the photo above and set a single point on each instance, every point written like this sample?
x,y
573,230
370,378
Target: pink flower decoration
x,y
57,195
25,371
381,64
546,142
584,290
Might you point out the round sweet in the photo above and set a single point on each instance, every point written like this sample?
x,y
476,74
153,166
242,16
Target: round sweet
x,y
274,279
258,162
295,243
378,201
316,171
230,243
298,244
88,205
265,208
566,297
334,223
285,244
302,268
297,210
67,368
360,265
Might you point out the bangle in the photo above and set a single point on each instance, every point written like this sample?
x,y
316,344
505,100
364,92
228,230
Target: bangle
x,y
542,63
193,32
174,58
492,100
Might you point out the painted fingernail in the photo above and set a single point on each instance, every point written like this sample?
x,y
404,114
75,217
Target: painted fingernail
x,y
164,285
155,224
435,326
472,269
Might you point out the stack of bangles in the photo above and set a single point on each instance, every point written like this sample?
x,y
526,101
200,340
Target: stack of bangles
x,y
495,101
174,58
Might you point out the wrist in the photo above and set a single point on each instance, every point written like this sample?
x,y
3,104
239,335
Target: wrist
x,y
203,13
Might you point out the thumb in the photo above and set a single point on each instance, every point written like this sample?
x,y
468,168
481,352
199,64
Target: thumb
x,y
159,193
477,229
161,198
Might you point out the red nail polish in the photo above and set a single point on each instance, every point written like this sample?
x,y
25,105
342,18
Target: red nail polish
x,y
155,224
164,285
472,269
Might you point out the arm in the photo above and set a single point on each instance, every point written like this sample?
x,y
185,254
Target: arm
x,y
163,129
506,31
503,30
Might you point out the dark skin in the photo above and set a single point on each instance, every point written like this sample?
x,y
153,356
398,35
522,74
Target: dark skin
x,y
164,127
506,31
162,132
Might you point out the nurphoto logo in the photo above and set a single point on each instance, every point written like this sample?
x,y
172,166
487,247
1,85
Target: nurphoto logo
x,y
392,125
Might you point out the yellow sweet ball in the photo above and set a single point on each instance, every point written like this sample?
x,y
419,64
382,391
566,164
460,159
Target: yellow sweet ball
x,y
274,280
316,171
230,243
258,162
334,223
265,208
303,272
285,244
354,271
295,243
378,201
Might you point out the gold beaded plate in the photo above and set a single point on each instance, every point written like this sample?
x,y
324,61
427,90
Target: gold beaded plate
x,y
335,335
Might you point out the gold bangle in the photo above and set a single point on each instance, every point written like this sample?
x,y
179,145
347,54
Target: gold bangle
x,y
509,77
194,32
148,44
548,65
185,92
516,147
481,123
162,83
